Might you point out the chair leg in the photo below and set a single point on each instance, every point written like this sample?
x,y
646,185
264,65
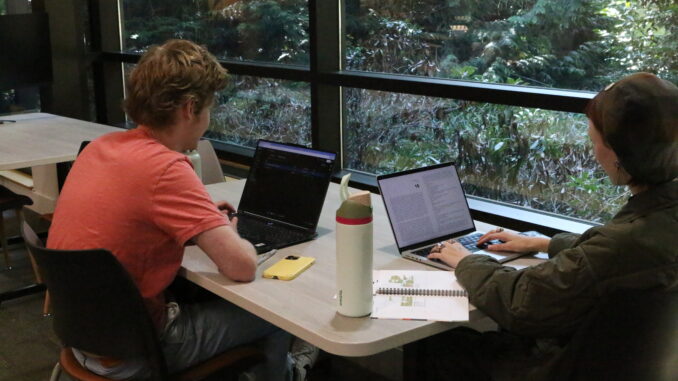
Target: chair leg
x,y
36,272
56,372
34,265
45,306
3,242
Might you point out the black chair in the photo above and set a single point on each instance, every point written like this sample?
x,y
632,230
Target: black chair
x,y
83,144
8,201
97,308
633,336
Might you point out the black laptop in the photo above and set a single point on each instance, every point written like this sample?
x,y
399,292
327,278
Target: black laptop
x,y
284,195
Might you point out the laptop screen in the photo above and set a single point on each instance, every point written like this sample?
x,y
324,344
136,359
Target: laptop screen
x,y
425,205
287,183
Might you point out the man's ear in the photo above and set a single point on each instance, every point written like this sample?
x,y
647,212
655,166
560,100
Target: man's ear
x,y
187,110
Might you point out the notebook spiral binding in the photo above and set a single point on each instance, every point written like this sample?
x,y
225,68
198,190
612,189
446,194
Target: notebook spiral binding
x,y
409,291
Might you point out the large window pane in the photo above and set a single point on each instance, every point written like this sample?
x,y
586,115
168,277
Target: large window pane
x,y
530,157
551,43
19,100
7,100
258,30
252,108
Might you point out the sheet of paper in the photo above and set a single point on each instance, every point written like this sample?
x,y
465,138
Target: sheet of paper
x,y
415,307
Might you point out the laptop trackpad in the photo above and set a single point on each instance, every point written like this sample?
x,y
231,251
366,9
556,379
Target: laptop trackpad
x,y
262,247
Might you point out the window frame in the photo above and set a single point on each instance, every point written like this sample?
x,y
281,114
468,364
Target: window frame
x,y
327,76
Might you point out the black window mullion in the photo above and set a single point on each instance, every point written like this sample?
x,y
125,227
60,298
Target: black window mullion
x,y
107,73
326,57
550,99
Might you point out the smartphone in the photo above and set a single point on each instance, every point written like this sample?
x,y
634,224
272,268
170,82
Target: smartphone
x,y
289,267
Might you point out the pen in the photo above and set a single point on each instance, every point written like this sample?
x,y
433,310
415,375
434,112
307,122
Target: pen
x,y
263,257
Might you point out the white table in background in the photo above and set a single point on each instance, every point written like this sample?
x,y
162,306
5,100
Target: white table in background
x,y
41,141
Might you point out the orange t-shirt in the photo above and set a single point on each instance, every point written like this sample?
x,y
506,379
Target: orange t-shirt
x,y
130,194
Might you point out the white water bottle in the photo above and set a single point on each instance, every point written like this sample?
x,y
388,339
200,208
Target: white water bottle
x,y
354,252
194,157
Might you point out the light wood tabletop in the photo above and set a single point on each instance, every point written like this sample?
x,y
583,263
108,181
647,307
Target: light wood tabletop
x,y
41,141
306,305
39,138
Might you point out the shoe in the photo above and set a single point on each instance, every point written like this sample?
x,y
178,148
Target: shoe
x,y
246,376
304,356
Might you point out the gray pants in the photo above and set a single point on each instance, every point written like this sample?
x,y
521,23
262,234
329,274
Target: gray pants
x,y
196,332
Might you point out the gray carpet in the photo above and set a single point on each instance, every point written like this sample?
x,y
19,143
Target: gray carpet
x,y
28,348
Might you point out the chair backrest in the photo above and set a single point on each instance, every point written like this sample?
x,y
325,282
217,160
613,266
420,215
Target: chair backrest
x,y
83,144
633,336
10,200
96,306
211,168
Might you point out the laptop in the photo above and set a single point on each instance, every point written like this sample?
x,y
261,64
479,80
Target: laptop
x,y
284,195
426,206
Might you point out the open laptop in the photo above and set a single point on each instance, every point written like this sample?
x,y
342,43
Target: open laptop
x,y
426,206
284,195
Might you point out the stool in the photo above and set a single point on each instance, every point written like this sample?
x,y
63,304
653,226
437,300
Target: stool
x,y
8,201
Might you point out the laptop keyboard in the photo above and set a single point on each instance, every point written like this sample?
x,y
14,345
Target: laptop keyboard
x,y
258,231
468,241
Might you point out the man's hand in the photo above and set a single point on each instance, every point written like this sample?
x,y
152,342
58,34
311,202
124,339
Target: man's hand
x,y
450,252
234,224
225,207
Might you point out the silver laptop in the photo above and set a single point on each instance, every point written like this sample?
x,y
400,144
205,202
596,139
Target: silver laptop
x,y
426,206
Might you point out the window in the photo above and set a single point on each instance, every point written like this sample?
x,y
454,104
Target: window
x,y
581,45
20,100
254,108
498,86
261,30
6,100
524,156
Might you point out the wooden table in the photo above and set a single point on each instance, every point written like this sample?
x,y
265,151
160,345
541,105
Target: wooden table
x,y
305,306
41,141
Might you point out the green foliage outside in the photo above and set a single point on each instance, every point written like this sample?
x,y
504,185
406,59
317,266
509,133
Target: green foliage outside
x,y
530,157
253,108
256,30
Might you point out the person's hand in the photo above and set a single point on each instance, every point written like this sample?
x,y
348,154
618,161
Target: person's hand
x,y
514,242
225,207
450,252
234,224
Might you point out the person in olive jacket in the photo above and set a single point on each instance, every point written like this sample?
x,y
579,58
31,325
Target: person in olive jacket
x,y
633,125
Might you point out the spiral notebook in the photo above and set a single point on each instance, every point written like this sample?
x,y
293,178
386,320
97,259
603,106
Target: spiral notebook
x,y
418,295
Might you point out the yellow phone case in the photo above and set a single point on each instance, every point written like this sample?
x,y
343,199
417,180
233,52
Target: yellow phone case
x,y
288,268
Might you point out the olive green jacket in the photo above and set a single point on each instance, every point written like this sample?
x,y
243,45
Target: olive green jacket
x,y
637,249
